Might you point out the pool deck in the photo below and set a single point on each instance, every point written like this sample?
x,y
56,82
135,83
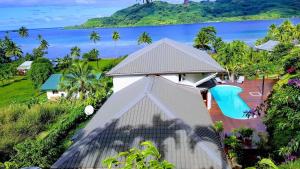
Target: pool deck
x,y
252,101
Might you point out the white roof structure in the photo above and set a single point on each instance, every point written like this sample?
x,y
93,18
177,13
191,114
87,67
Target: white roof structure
x,y
25,66
166,57
268,46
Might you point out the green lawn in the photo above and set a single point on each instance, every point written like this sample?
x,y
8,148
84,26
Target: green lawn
x,y
17,92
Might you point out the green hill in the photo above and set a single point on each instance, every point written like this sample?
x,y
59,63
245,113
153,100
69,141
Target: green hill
x,y
160,13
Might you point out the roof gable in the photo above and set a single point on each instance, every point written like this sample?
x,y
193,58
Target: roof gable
x,y
268,46
184,136
166,56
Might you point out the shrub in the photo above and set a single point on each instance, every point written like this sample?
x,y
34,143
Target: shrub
x,y
40,70
149,157
43,153
19,122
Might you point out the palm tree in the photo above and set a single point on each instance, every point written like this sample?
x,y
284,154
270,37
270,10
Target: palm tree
x,y
205,37
44,44
115,37
94,36
23,32
40,37
144,38
75,53
79,80
12,49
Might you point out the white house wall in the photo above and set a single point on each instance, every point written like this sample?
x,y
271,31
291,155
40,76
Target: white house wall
x,y
193,78
55,95
174,78
121,82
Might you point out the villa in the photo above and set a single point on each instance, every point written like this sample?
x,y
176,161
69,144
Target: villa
x,y
157,97
24,67
174,61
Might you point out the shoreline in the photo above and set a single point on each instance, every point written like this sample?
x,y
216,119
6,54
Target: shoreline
x,y
150,25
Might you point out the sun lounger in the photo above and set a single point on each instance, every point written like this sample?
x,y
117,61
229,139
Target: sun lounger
x,y
241,79
220,81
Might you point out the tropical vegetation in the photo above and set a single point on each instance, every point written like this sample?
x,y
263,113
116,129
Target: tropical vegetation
x,y
162,13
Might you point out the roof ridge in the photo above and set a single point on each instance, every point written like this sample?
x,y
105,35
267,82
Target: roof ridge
x,y
191,53
132,57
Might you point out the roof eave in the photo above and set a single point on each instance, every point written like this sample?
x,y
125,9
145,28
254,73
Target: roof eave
x,y
163,73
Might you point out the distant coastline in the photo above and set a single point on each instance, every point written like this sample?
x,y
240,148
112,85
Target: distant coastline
x,y
163,13
133,26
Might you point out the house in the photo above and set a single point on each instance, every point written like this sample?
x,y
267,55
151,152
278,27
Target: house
x,y
24,67
171,115
158,97
174,61
268,46
52,87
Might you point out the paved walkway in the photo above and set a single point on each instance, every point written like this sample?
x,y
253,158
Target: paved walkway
x,y
251,99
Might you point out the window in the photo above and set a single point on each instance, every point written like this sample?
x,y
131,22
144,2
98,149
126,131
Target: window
x,y
55,92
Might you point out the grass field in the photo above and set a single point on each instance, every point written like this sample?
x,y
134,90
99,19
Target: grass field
x,y
19,91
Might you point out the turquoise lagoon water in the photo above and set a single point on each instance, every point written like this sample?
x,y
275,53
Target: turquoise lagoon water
x,y
61,40
229,101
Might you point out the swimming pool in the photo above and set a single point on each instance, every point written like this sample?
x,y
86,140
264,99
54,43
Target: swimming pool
x,y
229,101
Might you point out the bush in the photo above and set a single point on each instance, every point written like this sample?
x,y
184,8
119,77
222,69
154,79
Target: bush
x,y
282,116
43,153
40,70
19,122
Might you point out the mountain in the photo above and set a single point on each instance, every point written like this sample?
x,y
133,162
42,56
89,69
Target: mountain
x,y
161,13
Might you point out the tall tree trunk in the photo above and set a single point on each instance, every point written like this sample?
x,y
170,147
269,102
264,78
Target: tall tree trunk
x,y
263,86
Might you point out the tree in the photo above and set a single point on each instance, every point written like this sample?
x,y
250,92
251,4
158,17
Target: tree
x,y
44,44
115,37
205,37
218,44
144,38
78,81
40,71
12,49
91,55
94,36
264,67
148,158
64,63
23,32
40,37
234,57
75,53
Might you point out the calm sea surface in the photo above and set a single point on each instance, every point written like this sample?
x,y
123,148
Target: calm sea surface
x,y
62,40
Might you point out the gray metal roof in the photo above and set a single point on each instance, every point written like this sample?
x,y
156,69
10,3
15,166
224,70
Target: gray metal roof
x,y
165,57
173,116
268,46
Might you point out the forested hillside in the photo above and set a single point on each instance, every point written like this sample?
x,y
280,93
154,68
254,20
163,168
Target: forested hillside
x,y
159,13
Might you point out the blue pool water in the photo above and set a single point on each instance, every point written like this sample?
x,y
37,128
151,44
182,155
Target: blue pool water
x,y
229,101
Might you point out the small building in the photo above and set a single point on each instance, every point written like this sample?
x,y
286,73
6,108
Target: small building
x,y
268,46
51,86
24,67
